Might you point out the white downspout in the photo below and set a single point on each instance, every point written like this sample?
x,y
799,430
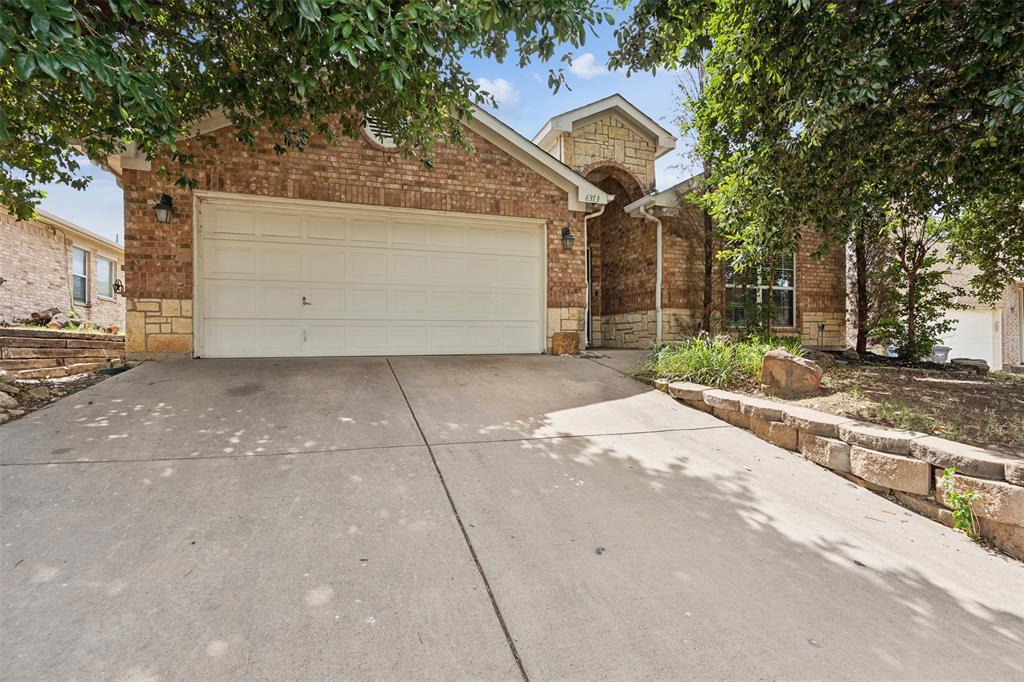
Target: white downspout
x,y
658,276
586,247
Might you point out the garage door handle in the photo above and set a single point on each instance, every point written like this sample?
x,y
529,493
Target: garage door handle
x,y
305,302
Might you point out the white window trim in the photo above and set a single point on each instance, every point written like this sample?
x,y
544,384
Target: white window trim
x,y
760,288
113,275
85,276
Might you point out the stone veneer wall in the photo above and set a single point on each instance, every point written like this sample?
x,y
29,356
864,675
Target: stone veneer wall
x,y
159,257
608,138
158,328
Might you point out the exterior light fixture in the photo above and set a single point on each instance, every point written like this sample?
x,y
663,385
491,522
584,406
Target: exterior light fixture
x,y
567,238
119,287
164,209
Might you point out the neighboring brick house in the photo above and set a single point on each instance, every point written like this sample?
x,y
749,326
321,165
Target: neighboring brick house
x,y
351,249
49,262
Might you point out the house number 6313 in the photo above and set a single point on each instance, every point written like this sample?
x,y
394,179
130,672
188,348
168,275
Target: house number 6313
x,y
592,198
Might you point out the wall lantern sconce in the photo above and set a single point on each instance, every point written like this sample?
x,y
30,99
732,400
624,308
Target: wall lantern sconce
x,y
164,209
567,238
119,287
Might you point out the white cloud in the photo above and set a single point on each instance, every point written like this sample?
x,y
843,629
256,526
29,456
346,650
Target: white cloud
x,y
504,92
586,66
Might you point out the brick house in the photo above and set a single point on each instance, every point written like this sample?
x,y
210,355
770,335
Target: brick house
x,y
49,262
350,249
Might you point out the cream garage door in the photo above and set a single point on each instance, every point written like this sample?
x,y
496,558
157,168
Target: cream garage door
x,y
975,336
284,280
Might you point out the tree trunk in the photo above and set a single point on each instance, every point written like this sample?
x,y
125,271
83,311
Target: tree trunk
x,y
860,252
911,316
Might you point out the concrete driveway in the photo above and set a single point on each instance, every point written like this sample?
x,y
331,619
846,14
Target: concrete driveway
x,y
461,518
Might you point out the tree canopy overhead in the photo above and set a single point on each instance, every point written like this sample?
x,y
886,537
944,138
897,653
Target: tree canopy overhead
x,y
91,75
815,111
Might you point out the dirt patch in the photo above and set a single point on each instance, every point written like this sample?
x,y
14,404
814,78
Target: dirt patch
x,y
56,389
984,411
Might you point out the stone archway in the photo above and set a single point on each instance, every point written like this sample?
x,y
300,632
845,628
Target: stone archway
x,y
621,265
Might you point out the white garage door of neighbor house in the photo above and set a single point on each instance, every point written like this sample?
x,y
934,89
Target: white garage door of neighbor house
x,y
975,336
283,280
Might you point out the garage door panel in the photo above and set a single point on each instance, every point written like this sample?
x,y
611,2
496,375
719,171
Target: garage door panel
x,y
369,267
376,283
231,221
325,264
275,224
230,258
325,301
330,228
326,339
281,261
407,267
243,338
365,230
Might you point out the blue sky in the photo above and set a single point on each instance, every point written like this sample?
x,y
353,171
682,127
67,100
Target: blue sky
x,y
525,103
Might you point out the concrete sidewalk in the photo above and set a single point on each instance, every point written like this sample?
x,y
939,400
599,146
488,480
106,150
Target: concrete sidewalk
x,y
461,518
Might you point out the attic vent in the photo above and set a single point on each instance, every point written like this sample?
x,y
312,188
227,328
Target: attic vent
x,y
379,133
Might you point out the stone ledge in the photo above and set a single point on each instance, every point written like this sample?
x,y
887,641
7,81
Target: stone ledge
x,y
966,459
723,400
818,423
880,438
997,500
896,472
684,390
763,409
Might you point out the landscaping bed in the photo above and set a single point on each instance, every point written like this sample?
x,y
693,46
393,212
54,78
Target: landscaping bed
x,y
986,411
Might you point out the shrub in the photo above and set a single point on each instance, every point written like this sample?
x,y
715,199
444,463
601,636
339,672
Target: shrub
x,y
716,360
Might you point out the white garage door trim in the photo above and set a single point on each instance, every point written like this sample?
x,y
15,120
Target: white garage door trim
x,y
365,235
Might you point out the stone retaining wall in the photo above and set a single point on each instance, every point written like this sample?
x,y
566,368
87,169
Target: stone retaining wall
x,y
43,353
905,465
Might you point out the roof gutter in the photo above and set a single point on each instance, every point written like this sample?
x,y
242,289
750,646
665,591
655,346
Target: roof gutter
x,y
586,251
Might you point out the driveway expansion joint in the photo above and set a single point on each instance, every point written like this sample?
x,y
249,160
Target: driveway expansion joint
x,y
465,533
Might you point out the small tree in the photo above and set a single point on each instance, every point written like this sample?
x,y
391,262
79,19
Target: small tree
x,y
923,296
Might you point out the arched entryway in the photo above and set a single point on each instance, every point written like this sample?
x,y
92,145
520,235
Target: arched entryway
x,y
621,266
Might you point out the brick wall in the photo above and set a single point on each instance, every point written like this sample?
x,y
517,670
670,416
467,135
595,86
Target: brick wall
x,y
489,181
608,138
820,285
35,259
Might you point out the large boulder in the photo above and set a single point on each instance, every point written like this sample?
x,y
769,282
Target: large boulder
x,y
976,365
565,343
820,358
788,375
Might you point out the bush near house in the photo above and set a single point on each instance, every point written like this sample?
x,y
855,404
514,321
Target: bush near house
x,y
720,361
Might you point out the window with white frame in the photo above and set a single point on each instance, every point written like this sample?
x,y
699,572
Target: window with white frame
x,y
104,277
80,275
741,297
